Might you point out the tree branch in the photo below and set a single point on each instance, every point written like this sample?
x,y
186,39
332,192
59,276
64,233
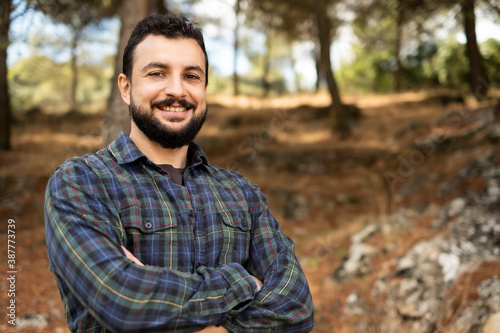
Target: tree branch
x,y
15,6
493,6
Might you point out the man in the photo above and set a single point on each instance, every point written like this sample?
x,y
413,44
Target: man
x,y
147,236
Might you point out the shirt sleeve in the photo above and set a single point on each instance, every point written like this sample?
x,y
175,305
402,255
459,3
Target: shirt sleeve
x,y
84,235
284,304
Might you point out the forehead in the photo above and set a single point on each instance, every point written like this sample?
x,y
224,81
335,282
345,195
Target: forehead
x,y
181,52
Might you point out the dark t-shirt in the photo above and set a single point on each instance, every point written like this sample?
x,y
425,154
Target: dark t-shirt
x,y
176,175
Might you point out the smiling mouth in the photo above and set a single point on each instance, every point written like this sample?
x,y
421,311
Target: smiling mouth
x,y
172,105
172,108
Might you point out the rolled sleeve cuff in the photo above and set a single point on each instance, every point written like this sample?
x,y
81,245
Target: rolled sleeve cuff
x,y
232,289
242,287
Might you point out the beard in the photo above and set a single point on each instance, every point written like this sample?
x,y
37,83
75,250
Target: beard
x,y
158,132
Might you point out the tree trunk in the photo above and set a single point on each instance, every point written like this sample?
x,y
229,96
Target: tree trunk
x,y
477,80
317,61
296,75
6,8
267,67
236,79
74,70
398,73
117,117
338,112
159,7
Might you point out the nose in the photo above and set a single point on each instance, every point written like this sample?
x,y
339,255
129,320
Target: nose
x,y
175,87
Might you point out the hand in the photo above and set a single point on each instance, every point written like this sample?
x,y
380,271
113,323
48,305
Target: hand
x,y
214,329
259,283
131,257
208,329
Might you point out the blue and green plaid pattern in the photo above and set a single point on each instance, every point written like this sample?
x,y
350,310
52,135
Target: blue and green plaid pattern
x,y
200,244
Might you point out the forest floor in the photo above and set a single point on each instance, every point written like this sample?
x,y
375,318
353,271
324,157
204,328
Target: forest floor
x,y
321,189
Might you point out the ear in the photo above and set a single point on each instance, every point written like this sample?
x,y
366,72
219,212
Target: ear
x,y
124,86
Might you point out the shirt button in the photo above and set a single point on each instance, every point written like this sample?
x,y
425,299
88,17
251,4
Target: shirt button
x,y
148,225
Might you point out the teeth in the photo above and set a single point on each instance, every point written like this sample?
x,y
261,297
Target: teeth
x,y
172,109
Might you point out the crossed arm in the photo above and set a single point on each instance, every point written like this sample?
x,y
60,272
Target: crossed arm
x,y
208,329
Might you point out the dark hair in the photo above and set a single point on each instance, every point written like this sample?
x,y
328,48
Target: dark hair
x,y
169,26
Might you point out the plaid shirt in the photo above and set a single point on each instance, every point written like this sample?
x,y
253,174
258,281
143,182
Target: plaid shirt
x,y
200,244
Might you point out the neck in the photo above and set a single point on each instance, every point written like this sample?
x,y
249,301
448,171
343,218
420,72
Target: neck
x,y
156,153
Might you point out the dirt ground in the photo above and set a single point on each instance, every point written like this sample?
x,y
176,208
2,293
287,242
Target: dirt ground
x,y
284,145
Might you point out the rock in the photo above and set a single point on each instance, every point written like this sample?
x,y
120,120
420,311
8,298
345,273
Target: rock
x,y
451,210
405,265
482,312
413,300
365,233
356,264
494,135
32,320
402,220
354,305
450,263
475,234
449,282
493,324
423,255
493,190
489,293
482,166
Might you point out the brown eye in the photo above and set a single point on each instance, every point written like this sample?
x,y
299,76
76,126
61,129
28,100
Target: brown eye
x,y
192,77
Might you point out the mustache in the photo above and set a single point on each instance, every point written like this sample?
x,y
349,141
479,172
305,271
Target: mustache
x,y
169,101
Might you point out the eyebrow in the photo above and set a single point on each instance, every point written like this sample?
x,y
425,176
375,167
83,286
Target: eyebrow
x,y
166,66
195,68
154,65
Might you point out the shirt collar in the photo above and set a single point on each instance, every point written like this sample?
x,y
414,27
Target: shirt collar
x,y
196,155
125,151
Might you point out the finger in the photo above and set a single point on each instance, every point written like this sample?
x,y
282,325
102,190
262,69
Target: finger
x,y
214,329
258,282
131,257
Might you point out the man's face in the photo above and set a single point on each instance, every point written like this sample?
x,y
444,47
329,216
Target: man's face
x,y
166,91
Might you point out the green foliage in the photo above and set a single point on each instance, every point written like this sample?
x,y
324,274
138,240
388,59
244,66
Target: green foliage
x,y
452,65
219,85
431,65
491,53
375,32
369,72
293,19
77,14
266,66
420,68
38,82
250,85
